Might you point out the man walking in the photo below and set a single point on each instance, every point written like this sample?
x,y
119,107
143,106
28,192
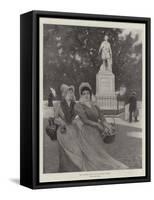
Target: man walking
x,y
133,107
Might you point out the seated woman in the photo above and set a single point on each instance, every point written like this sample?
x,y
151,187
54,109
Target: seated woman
x,y
67,136
91,143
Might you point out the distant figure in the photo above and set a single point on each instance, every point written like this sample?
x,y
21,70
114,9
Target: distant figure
x,y
133,107
51,96
106,54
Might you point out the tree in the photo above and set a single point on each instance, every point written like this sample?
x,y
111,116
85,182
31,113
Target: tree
x,y
71,57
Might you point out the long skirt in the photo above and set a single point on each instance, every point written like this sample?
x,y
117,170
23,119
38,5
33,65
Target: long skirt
x,y
70,155
94,154
81,149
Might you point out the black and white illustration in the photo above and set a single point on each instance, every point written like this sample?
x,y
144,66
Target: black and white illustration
x,y
92,97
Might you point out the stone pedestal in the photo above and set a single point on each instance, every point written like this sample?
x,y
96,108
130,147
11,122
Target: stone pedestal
x,y
105,84
105,90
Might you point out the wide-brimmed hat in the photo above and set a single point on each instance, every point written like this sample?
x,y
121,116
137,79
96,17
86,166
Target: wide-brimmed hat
x,y
84,85
64,89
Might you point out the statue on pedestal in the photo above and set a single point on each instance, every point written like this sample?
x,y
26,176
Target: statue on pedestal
x,y
106,55
105,79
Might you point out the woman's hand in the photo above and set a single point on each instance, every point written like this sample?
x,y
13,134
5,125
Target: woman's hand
x,y
100,127
105,131
59,121
107,125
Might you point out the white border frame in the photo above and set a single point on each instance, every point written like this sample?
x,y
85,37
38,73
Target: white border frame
x,y
69,176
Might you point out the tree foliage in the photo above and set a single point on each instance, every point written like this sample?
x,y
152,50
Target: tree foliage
x,y
71,57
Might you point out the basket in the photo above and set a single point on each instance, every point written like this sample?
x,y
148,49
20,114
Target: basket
x,y
110,138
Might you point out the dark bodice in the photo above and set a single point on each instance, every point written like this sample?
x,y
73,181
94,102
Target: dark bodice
x,y
68,111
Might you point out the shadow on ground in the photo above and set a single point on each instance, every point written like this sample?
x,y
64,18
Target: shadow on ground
x,y
15,180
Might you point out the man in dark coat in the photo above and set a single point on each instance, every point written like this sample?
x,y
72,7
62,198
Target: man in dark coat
x,y
50,99
133,106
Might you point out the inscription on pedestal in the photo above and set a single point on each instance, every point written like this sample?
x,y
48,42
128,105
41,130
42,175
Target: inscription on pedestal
x,y
107,86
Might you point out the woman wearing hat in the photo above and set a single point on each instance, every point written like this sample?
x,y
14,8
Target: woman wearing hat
x,y
93,125
69,148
